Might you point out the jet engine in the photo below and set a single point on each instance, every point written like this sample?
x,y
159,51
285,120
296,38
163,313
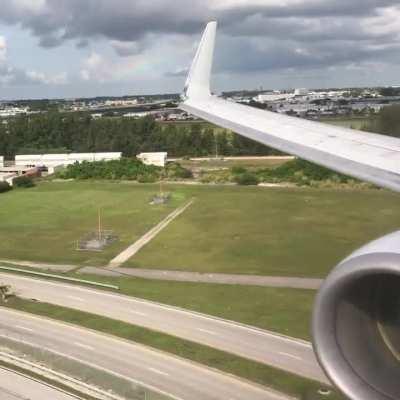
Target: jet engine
x,y
356,322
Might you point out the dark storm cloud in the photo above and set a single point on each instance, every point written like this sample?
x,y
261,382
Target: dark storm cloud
x,y
127,20
302,34
241,56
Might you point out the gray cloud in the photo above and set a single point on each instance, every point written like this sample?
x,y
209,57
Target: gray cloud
x,y
304,34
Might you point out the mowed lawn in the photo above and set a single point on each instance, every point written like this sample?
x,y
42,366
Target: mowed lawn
x,y
44,223
288,232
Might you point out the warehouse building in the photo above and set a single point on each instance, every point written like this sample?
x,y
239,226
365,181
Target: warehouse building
x,y
157,159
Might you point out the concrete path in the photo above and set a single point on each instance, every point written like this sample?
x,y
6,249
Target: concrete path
x,y
132,250
226,279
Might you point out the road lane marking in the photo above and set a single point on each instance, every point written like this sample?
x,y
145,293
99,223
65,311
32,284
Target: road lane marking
x,y
24,328
290,355
84,346
207,331
157,371
138,313
75,298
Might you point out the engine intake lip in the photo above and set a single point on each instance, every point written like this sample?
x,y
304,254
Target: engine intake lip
x,y
334,308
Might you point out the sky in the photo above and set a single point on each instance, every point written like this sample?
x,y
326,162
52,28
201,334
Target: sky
x,y
86,48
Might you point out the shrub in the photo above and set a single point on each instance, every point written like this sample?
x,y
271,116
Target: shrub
x,y
23,182
176,171
237,169
4,187
246,179
146,178
126,168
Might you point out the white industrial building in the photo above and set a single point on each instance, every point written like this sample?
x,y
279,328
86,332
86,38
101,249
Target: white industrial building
x,y
157,159
273,96
301,92
55,160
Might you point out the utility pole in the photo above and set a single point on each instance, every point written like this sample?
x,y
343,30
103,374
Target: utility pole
x,y
99,224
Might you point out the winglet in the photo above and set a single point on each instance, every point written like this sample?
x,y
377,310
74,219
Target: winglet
x,y
198,81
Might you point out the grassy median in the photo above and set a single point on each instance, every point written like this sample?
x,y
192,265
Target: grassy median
x,y
256,372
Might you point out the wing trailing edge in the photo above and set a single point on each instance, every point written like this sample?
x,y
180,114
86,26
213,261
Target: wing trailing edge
x,y
367,156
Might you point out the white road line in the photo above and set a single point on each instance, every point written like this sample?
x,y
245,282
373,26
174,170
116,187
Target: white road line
x,y
290,355
138,313
75,298
24,328
157,371
84,346
207,331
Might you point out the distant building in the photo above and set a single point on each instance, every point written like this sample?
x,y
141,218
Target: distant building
x,y
121,103
272,96
12,112
8,174
157,159
1,161
52,161
301,92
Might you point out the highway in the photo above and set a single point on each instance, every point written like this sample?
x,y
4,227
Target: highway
x,y
172,376
285,353
14,386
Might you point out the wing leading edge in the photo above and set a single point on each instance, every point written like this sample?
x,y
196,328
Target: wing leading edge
x,y
366,156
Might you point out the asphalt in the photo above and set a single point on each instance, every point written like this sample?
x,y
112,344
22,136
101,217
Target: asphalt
x,y
14,386
226,279
282,352
160,372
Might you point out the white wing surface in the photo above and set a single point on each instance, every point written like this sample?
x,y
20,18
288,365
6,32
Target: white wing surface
x,y
367,156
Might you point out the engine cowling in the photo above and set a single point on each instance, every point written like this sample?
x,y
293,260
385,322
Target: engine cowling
x,y
356,322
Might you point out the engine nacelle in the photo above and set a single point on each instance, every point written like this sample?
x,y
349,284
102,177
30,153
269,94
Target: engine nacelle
x,y
356,322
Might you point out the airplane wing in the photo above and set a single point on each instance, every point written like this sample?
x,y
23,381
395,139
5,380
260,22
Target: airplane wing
x,y
367,156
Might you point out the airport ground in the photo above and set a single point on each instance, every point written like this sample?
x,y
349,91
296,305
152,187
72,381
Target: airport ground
x,y
241,230
244,230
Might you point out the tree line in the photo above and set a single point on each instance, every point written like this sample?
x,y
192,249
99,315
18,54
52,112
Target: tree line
x,y
56,132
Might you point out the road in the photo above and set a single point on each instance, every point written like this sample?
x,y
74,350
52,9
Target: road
x,y
226,279
141,365
14,386
282,352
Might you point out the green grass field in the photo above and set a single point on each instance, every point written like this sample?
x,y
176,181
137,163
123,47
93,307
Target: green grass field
x,y
249,230
44,223
246,230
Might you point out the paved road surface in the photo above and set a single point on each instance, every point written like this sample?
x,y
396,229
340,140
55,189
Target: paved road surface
x,y
14,386
176,377
256,344
227,279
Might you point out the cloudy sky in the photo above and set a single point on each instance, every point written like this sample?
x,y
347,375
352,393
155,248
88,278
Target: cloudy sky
x,y
72,48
